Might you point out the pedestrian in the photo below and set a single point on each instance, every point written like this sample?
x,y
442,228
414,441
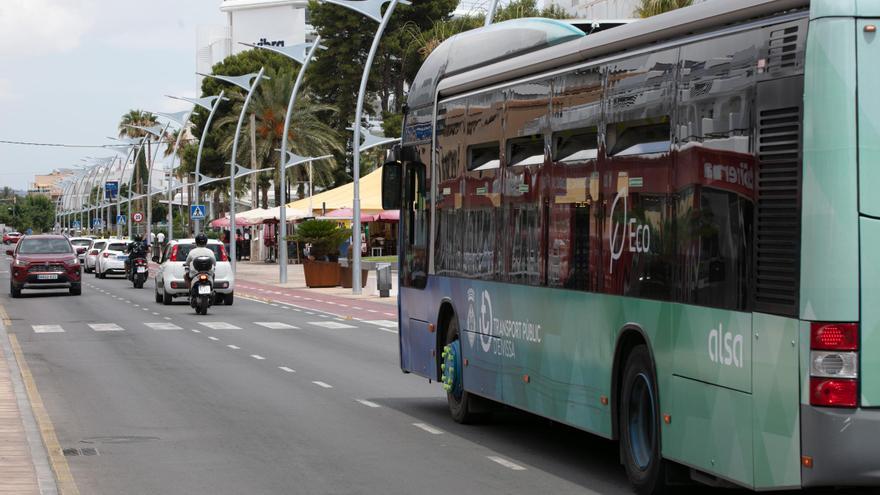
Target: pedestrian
x,y
238,244
152,238
161,238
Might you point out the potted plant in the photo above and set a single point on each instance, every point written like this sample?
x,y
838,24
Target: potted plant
x,y
323,238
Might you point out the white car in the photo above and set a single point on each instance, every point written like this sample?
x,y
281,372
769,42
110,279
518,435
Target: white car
x,y
81,246
92,254
170,282
111,259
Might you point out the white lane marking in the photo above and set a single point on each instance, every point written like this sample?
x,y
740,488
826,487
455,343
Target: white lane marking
x,y
155,314
330,324
106,327
368,403
233,347
430,429
383,323
168,318
47,328
323,385
275,325
372,311
355,307
309,313
196,331
343,305
324,316
257,357
129,302
504,462
219,325
163,326
215,339
146,309
285,368
137,305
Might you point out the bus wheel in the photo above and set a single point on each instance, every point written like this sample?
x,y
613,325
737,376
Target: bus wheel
x,y
640,425
461,403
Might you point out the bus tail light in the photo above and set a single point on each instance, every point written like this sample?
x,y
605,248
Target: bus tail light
x,y
834,364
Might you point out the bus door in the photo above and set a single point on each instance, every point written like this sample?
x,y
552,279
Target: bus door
x,y
417,340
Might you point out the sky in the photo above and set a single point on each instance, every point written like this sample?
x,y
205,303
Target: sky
x,y
69,70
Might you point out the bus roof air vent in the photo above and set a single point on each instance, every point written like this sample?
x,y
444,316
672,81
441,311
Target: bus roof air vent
x,y
484,46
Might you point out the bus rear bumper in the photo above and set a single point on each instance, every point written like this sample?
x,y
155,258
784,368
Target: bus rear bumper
x,y
844,445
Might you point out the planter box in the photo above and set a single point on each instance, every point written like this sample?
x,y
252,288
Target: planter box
x,y
321,273
345,273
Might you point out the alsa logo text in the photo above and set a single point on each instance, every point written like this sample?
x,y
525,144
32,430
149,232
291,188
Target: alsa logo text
x,y
725,348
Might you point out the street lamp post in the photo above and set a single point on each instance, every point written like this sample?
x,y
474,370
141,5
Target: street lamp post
x,y
209,103
243,82
181,118
302,54
159,132
490,15
373,10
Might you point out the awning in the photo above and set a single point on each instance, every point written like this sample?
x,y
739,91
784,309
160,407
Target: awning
x,y
223,223
342,196
260,215
348,214
388,216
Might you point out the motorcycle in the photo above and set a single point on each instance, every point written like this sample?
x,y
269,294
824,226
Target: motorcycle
x,y
139,270
201,291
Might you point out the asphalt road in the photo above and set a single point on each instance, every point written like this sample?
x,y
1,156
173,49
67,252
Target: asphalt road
x,y
270,399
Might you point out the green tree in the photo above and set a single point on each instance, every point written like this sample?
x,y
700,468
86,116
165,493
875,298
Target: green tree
x,y
139,118
335,75
648,8
308,134
36,212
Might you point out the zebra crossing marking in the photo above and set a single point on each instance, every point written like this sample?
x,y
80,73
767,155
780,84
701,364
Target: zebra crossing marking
x,y
219,325
163,326
47,328
331,324
275,325
106,327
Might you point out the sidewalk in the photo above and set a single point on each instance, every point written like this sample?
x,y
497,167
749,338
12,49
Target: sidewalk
x,y
260,280
19,435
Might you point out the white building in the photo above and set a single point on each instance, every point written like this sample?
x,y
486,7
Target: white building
x,y
257,22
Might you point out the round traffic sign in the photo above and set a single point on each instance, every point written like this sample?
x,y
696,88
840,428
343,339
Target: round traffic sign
x,y
138,217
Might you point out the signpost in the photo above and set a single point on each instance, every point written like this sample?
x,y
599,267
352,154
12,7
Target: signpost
x,y
111,189
197,212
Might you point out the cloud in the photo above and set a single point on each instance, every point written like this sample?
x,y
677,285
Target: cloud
x,y
31,28
7,92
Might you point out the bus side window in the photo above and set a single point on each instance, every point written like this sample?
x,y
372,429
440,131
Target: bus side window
x,y
638,176
416,219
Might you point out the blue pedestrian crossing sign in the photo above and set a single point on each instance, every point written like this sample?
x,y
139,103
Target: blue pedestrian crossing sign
x,y
197,212
96,223
76,224
120,220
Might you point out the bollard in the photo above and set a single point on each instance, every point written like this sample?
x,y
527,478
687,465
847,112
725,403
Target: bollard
x,y
383,279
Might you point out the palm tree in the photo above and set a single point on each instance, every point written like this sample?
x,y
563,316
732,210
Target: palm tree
x,y
138,118
308,135
649,8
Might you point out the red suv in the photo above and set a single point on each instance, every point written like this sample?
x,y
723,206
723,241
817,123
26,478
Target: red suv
x,y
11,237
44,262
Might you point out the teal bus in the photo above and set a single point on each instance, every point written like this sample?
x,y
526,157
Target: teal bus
x,y
658,233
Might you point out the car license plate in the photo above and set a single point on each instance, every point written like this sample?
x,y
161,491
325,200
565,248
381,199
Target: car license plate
x,y
47,277
123,258
142,269
204,289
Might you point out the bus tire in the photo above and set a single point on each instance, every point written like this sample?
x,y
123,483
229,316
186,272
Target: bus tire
x,y
464,409
639,420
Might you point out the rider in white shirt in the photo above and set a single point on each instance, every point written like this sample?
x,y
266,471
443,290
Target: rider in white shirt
x,y
200,250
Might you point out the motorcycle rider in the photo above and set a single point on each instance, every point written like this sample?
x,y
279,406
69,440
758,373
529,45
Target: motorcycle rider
x,y
200,250
135,249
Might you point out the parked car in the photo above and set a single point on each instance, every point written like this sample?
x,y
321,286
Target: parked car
x,y
11,237
92,254
170,277
81,246
111,259
44,262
